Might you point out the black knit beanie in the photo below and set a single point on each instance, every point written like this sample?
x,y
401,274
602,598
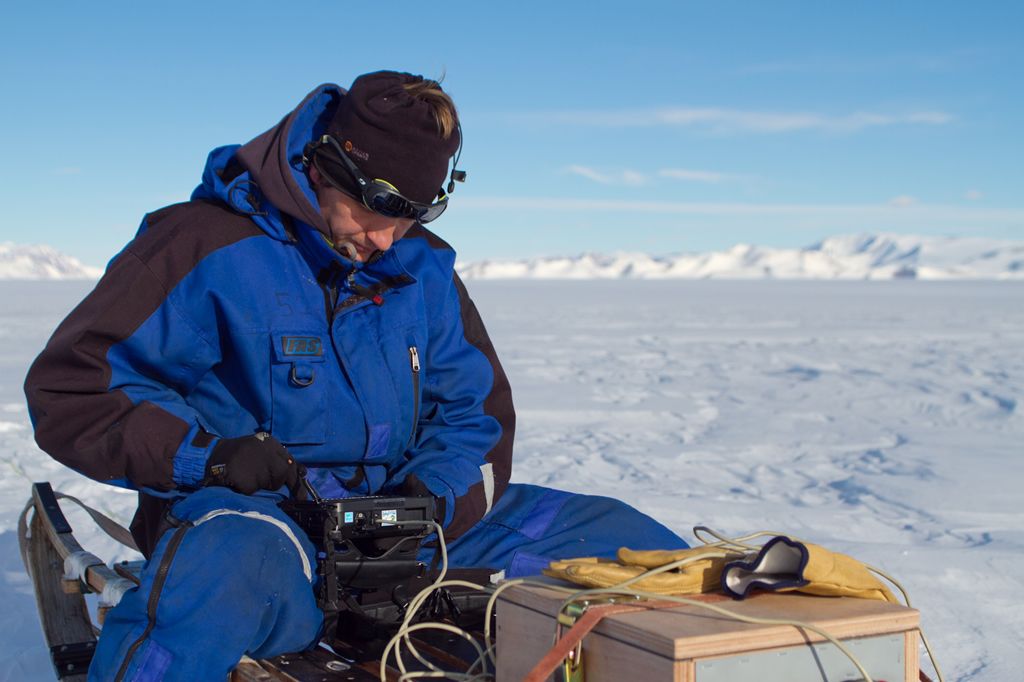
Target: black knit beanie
x,y
392,135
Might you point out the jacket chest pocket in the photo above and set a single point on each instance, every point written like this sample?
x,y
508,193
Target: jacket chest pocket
x,y
299,395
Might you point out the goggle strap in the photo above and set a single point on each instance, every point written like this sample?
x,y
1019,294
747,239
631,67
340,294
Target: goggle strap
x,y
413,210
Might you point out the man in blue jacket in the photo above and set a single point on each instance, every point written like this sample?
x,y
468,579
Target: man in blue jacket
x,y
297,294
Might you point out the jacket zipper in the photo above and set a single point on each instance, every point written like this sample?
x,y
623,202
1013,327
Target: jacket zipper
x,y
329,287
414,363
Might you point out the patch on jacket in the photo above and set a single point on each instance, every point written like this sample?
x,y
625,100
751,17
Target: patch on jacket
x,y
303,346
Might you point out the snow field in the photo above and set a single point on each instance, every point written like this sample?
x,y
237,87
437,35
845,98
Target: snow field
x,y
882,419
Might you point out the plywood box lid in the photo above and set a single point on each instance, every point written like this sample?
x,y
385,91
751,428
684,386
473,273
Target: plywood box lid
x,y
687,632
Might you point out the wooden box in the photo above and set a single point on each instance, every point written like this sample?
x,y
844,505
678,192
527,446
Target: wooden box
x,y
690,644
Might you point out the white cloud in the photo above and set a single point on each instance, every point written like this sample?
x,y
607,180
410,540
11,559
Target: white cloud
x,y
635,178
902,200
590,174
624,177
693,175
930,117
632,178
721,120
973,195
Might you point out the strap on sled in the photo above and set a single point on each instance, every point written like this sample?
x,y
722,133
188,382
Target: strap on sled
x,y
79,565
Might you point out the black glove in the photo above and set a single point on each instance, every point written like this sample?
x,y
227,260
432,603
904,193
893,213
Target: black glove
x,y
251,463
412,486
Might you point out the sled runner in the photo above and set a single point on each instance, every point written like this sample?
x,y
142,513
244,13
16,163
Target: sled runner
x,y
62,571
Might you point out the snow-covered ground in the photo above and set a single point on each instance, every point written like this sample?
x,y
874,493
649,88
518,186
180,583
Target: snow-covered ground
x,y
882,419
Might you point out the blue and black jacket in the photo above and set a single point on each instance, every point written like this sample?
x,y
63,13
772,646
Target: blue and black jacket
x,y
231,314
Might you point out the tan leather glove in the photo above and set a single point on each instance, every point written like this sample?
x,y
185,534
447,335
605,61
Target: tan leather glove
x,y
702,574
784,565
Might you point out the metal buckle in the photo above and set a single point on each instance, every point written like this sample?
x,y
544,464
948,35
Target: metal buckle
x,y
302,382
572,666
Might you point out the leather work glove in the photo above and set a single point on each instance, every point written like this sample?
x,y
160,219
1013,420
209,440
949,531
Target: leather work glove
x,y
703,574
251,463
784,565
412,486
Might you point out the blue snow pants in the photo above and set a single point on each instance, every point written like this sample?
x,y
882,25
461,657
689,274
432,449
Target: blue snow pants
x,y
237,576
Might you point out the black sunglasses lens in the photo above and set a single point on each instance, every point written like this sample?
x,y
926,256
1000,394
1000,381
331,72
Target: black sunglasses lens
x,y
389,204
433,211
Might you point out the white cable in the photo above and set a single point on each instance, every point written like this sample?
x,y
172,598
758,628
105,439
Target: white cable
x,y
487,654
414,604
419,600
931,655
436,672
882,574
484,655
741,541
906,598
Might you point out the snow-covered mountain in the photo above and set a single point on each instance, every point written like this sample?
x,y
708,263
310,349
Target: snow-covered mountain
x,y
881,256
37,261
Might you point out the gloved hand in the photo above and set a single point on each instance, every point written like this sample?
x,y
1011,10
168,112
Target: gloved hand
x,y
701,574
412,486
251,463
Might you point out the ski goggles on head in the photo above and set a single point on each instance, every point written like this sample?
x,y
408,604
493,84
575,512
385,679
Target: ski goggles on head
x,y
378,195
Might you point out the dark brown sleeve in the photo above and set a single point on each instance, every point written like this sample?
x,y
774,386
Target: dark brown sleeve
x,y
98,432
107,433
470,508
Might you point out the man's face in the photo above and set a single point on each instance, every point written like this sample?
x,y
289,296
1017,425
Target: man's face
x,y
351,222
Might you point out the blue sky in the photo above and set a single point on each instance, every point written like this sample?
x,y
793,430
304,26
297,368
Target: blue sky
x,y
590,126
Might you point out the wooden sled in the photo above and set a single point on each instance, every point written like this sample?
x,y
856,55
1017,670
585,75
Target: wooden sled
x,y
48,545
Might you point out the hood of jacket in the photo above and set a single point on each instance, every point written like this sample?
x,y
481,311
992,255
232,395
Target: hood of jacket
x,y
265,178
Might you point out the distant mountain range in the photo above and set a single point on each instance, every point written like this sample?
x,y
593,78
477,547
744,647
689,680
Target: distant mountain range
x,y
878,256
865,256
36,261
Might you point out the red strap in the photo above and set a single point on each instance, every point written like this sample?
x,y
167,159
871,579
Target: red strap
x,y
588,621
